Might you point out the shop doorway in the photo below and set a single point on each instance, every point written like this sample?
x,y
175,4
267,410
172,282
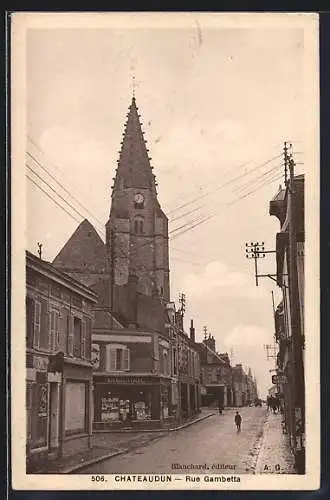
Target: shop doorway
x,y
54,412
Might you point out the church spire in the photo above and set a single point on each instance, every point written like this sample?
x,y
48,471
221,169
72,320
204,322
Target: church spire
x,y
134,169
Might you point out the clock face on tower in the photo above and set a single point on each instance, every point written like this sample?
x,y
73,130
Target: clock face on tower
x,y
139,199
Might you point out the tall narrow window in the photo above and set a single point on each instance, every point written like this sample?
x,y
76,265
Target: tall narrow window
x,y
77,337
117,358
37,314
54,330
139,225
29,321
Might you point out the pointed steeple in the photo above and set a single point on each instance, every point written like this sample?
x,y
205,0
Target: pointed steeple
x,y
134,169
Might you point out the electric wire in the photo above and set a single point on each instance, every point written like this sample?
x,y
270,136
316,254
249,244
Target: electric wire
x,y
61,185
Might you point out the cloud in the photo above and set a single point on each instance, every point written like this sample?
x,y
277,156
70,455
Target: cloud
x,y
220,280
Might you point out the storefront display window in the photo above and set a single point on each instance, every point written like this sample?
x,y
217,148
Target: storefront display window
x,y
109,409
142,410
75,407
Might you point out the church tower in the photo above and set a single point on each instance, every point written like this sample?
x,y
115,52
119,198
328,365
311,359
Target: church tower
x,y
137,229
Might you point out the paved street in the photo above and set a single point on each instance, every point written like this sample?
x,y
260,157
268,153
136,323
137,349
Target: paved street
x,y
210,446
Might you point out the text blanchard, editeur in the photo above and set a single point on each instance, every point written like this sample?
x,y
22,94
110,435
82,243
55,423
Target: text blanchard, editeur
x,y
204,466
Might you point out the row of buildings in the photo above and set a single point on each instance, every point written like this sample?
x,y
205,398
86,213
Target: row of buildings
x,y
289,384
105,345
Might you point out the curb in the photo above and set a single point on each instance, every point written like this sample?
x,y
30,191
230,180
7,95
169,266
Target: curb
x,y
188,424
125,450
94,461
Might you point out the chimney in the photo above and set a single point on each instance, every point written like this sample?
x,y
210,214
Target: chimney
x,y
132,300
192,330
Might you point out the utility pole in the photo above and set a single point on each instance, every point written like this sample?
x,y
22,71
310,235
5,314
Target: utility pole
x,y
182,301
39,249
255,250
205,332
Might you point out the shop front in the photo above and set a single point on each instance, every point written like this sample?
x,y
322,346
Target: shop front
x,y
77,405
130,401
37,404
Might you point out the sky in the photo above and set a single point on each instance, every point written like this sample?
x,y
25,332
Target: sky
x,y
215,104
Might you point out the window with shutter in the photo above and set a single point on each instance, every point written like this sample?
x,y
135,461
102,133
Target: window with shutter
x,y
117,358
62,330
44,325
83,340
54,330
88,339
29,321
70,335
113,359
126,360
77,337
37,317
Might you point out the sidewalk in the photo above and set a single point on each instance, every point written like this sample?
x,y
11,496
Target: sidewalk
x,y
274,456
111,444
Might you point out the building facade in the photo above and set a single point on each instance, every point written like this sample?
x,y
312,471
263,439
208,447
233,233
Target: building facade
x,y
216,375
288,207
147,371
59,315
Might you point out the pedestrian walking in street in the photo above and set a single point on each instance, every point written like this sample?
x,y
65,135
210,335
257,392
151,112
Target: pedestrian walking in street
x,y
238,421
220,409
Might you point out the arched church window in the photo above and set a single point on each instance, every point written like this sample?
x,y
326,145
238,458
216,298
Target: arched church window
x,y
139,226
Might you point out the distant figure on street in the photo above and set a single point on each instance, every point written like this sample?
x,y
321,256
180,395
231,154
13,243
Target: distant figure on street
x,y
220,409
238,421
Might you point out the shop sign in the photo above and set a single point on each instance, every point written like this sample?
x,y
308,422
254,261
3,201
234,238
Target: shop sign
x,y
279,379
130,380
40,363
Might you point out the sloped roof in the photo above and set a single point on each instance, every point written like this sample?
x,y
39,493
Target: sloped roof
x,y
84,250
134,163
104,320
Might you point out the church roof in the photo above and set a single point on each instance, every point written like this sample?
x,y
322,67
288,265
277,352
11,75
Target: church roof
x,y
84,250
134,163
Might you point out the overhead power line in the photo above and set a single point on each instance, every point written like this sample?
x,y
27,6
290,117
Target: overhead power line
x,y
186,213
258,178
56,192
193,226
61,185
53,200
278,177
225,184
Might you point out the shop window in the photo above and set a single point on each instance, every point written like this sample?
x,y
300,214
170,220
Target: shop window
x,y
75,407
117,358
